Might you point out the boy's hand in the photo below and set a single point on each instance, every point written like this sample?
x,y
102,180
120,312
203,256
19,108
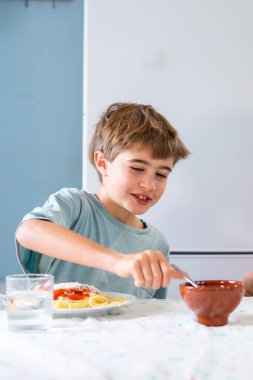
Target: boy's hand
x,y
150,269
247,281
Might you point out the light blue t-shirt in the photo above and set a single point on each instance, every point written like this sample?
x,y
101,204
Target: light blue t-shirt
x,y
85,214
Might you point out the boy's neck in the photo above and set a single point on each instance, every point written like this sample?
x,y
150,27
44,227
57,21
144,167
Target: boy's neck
x,y
121,214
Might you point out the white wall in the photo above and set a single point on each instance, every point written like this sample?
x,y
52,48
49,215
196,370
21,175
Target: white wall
x,y
193,60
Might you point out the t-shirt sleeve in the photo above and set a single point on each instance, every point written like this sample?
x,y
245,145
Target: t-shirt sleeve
x,y
62,208
160,293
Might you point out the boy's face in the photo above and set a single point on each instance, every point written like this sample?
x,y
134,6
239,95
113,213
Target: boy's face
x,y
133,181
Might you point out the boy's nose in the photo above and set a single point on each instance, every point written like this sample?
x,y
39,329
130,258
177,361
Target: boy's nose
x,y
148,183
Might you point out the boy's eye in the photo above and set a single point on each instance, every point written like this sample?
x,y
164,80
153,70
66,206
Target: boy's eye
x,y
137,169
161,175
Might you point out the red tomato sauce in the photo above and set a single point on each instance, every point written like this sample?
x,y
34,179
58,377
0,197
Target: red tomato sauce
x,y
72,294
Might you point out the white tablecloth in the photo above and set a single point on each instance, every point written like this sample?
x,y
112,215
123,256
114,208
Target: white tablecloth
x,y
148,340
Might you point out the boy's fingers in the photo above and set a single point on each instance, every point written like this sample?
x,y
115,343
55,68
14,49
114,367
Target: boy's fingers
x,y
147,271
138,276
175,274
153,271
166,271
157,275
169,273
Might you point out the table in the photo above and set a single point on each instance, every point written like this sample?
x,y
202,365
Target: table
x,y
148,340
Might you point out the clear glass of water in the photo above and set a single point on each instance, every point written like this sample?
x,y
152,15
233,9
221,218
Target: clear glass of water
x,y
29,301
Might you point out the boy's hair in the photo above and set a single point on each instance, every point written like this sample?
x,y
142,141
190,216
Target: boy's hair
x,y
124,124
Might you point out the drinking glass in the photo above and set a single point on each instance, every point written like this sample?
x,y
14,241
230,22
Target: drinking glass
x,y
29,301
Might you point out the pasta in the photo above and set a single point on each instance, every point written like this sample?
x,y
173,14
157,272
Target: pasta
x,y
74,295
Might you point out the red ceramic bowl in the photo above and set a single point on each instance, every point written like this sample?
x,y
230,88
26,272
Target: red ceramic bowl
x,y
213,300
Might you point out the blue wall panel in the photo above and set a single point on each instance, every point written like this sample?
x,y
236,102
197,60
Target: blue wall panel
x,y
41,65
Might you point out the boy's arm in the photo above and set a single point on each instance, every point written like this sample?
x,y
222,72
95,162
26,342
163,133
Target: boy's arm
x,y
149,268
57,241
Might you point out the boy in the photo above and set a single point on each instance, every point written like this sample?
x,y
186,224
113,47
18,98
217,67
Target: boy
x,y
97,239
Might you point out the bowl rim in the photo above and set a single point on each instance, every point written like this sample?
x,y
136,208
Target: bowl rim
x,y
213,284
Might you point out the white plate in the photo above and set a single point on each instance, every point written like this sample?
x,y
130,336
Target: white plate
x,y
94,310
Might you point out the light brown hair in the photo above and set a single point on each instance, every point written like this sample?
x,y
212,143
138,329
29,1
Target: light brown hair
x,y
124,124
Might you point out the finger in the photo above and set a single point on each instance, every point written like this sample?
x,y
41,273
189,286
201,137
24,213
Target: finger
x,y
146,270
167,272
138,276
175,274
157,274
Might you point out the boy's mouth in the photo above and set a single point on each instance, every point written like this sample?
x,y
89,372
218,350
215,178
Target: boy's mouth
x,y
141,198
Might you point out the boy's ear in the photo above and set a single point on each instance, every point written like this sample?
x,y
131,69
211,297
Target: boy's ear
x,y
101,163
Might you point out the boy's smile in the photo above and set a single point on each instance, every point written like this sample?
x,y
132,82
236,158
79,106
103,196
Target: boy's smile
x,y
132,183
